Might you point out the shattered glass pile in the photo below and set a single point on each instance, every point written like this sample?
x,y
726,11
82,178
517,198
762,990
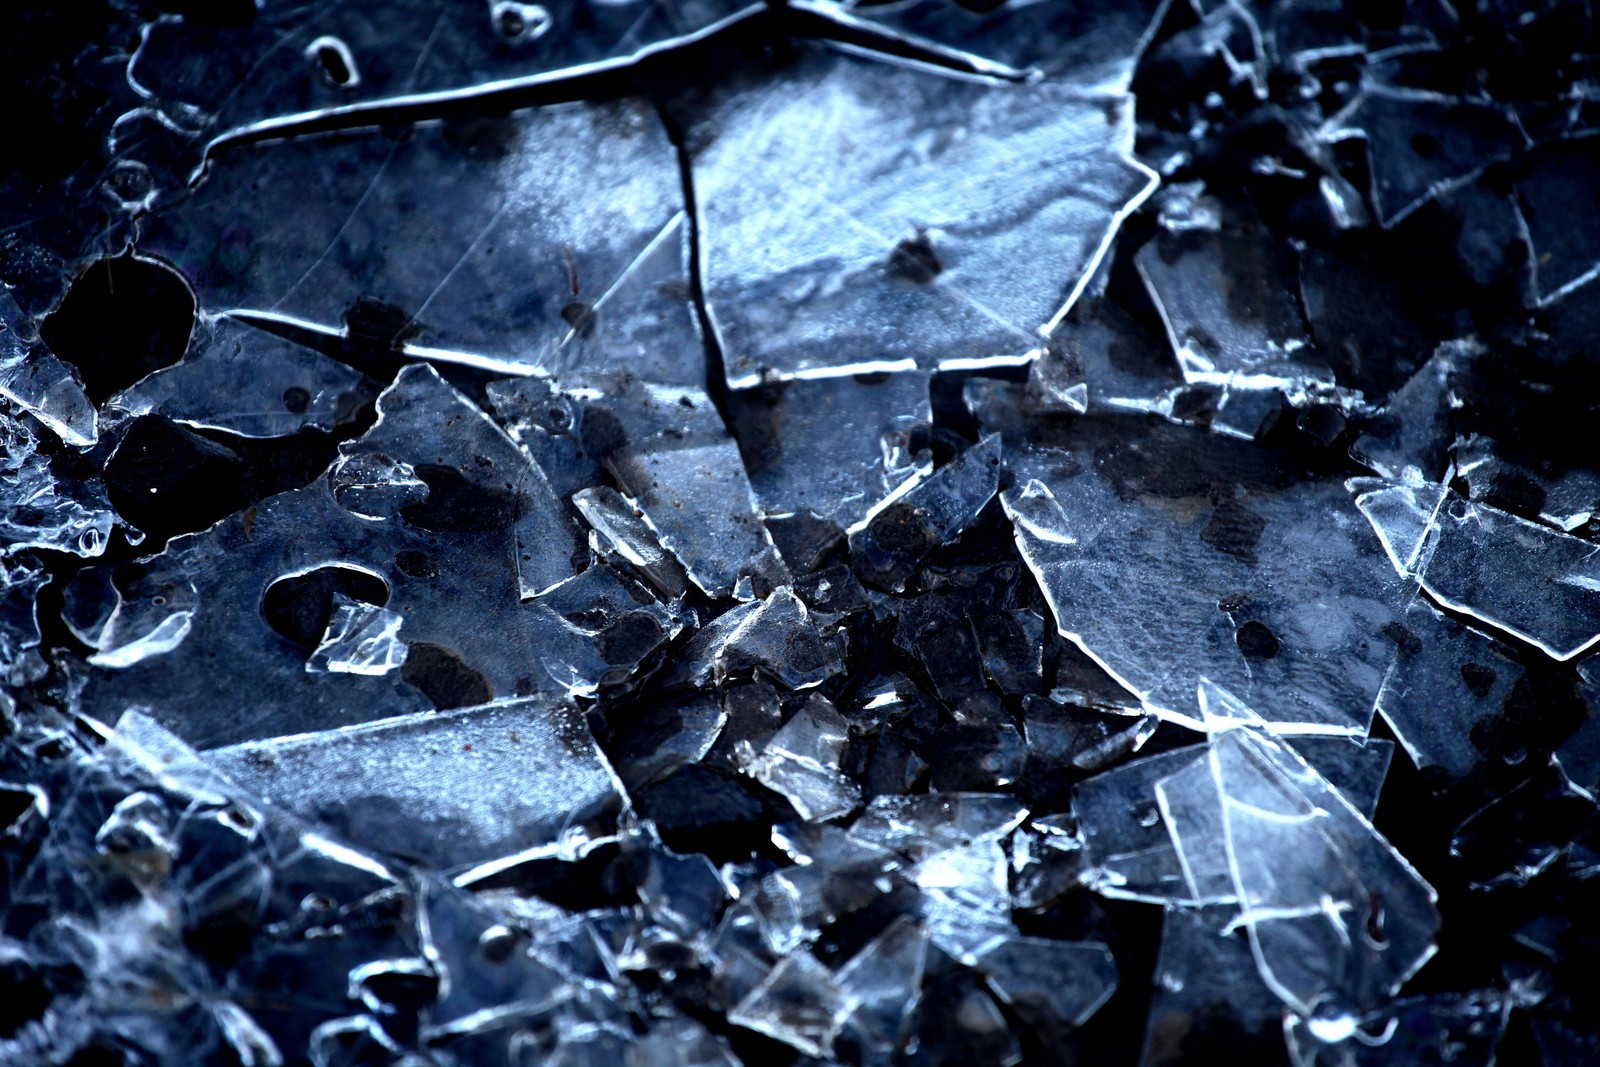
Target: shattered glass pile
x,y
679,533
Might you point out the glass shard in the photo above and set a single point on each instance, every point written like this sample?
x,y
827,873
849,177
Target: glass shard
x,y
519,276
868,427
897,254
481,784
1213,525
898,537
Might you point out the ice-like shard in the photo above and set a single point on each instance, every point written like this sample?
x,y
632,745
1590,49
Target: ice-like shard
x,y
1533,582
1557,177
455,564
934,512
1046,861
621,532
1091,46
125,621
670,452
895,246
35,380
800,1003
1338,919
1052,985
683,893
148,859
246,381
1192,810
488,975
43,508
1153,828
836,447
1446,688
1127,851
1099,359
966,898
21,578
1230,309
1410,440
1490,475
292,63
883,980
666,736
1545,824
551,209
953,842
1422,143
477,784
1208,1000
1578,755
1169,554
776,637
801,762
548,424
920,825
360,639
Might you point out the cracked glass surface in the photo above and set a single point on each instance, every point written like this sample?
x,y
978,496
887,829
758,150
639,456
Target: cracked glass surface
x,y
684,532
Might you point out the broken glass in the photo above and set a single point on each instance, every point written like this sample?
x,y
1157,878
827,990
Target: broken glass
x,y
544,567
225,78
1208,999
1211,523
883,981
1551,192
801,762
21,578
488,531
518,276
1533,582
896,255
869,427
1338,920
246,381
1246,334
1489,475
1049,984
669,451
484,784
1091,46
1422,143
800,1003
1412,438
360,639
1452,1028
36,381
621,532
44,510
897,537
776,637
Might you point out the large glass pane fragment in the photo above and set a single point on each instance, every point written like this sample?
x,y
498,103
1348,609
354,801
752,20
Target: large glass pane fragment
x,y
894,248
1170,555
